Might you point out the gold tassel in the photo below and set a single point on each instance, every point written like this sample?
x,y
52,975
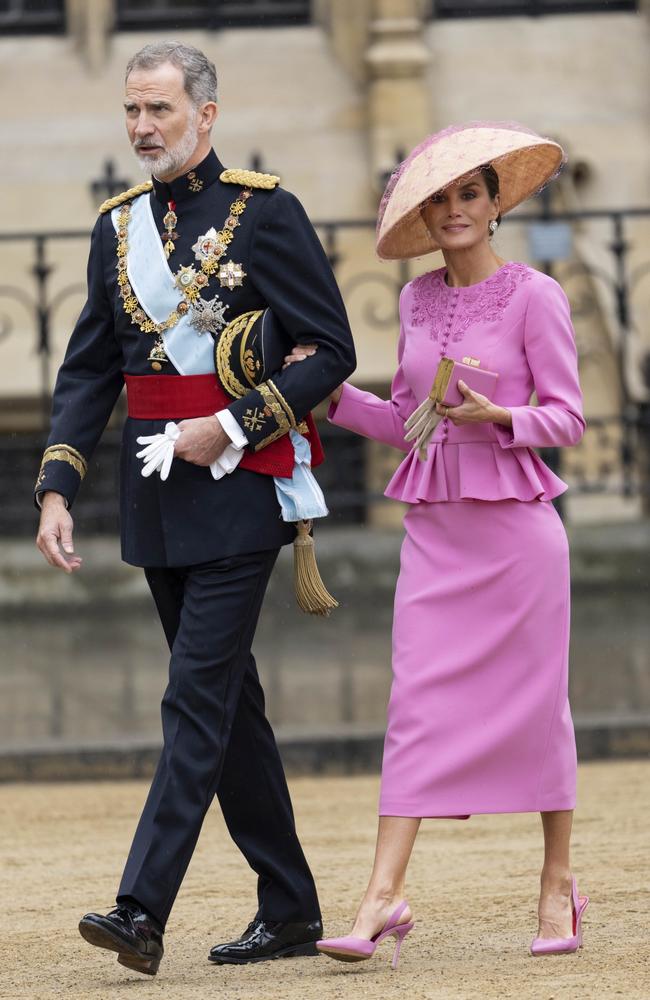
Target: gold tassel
x,y
311,593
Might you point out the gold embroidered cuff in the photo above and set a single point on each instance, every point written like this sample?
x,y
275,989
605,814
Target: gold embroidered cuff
x,y
279,414
283,403
62,453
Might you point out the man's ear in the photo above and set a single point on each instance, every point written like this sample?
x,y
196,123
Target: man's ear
x,y
208,115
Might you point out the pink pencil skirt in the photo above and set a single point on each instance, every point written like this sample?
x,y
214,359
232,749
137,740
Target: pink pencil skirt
x,y
479,718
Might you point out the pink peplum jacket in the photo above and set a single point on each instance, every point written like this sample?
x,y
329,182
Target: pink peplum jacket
x,y
518,324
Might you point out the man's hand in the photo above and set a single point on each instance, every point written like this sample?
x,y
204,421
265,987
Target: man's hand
x,y
202,440
55,533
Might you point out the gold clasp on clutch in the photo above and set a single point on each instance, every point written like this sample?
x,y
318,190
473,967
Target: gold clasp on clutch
x,y
473,362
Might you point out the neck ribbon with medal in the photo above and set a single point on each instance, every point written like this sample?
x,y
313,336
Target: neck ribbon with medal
x,y
206,315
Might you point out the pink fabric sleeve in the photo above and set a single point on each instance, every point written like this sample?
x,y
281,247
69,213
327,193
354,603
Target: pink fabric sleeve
x,y
379,419
549,342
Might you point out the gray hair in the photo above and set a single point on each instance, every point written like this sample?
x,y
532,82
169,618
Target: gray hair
x,y
200,75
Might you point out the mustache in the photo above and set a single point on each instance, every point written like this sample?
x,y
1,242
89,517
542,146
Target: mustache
x,y
147,144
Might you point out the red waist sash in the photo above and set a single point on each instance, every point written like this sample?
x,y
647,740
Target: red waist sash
x,y
180,397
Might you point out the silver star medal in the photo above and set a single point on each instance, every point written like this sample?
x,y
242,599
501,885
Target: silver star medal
x,y
207,245
208,315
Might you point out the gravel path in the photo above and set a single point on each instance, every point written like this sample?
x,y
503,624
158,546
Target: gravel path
x,y
472,888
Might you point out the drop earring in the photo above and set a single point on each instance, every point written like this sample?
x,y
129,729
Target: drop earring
x,y
493,226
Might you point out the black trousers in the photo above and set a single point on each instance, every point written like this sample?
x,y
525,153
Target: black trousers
x,y
217,739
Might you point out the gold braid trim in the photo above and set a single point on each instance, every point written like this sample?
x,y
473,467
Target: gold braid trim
x,y
277,411
119,199
63,453
282,401
249,178
227,377
246,354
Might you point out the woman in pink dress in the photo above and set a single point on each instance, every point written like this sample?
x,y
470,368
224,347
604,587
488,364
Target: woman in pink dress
x,y
479,718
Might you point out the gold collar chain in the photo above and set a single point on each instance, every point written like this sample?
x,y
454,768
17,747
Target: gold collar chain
x,y
189,289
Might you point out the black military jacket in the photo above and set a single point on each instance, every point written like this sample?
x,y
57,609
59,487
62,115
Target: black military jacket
x,y
190,518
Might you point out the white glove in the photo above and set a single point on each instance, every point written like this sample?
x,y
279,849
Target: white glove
x,y
159,453
421,425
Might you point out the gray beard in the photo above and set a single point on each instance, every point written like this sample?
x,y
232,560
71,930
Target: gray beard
x,y
171,160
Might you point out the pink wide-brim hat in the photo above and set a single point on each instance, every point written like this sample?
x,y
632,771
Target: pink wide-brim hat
x,y
524,161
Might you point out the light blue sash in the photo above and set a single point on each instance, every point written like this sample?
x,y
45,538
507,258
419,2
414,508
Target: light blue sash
x,y
300,497
152,281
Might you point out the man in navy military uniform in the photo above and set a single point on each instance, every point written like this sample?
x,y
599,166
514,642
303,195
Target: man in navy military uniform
x,y
172,262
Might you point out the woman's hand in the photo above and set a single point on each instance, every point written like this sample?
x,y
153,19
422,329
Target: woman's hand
x,y
299,353
476,409
302,351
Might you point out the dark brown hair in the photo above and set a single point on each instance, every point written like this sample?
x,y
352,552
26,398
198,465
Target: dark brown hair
x,y
491,178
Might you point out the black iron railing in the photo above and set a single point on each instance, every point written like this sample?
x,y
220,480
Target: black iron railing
x,y
614,457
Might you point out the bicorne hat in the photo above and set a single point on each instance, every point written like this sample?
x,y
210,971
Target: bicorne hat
x,y
249,350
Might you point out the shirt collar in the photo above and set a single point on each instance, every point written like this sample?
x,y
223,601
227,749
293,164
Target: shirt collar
x,y
188,185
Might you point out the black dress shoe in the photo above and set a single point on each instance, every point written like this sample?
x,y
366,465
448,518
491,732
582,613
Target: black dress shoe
x,y
133,934
263,940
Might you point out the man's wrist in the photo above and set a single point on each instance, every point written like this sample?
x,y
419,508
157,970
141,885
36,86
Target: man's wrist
x,y
230,427
50,498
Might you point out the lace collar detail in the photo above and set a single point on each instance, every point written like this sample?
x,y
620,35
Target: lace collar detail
x,y
437,305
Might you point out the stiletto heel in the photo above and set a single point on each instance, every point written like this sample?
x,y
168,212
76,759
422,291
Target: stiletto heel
x,y
564,946
399,934
353,949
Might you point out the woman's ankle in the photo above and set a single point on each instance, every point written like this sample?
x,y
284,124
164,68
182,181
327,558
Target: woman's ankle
x,y
380,897
375,909
556,879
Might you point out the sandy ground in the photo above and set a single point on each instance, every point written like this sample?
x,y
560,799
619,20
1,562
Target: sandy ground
x,y
472,888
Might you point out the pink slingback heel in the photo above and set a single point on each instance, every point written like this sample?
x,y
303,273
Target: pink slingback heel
x,y
564,946
354,949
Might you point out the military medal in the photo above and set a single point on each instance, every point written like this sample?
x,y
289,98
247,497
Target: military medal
x,y
208,315
231,275
208,245
169,222
157,355
210,248
185,281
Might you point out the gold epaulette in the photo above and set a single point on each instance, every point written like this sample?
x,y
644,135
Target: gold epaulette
x,y
249,178
119,199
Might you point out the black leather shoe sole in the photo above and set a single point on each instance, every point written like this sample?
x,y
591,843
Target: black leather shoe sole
x,y
105,937
308,950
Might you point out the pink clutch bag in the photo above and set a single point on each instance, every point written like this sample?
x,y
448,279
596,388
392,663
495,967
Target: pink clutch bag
x,y
445,386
